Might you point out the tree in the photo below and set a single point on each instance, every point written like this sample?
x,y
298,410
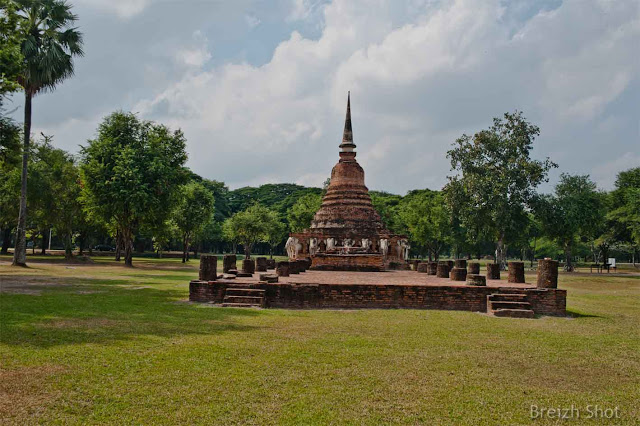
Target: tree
x,y
250,226
54,191
426,217
10,56
9,178
302,212
276,233
130,174
193,211
496,178
387,205
48,48
573,211
624,217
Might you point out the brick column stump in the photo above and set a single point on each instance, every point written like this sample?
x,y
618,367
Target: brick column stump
x,y
476,279
473,268
261,264
461,263
516,272
302,265
458,274
493,271
269,278
547,273
248,266
208,267
422,267
432,268
282,269
228,263
442,270
414,264
271,264
451,264
294,267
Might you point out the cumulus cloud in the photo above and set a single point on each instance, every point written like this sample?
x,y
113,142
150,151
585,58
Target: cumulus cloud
x,y
419,78
421,73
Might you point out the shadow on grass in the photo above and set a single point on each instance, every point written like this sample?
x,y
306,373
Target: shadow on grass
x,y
571,313
101,311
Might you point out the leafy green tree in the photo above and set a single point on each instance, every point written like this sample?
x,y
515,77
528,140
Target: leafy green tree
x,y
9,178
54,191
48,48
496,178
425,215
11,37
193,211
301,213
624,217
573,211
130,174
250,226
276,233
386,205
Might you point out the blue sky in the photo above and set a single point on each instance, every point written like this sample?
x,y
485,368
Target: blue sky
x,y
259,87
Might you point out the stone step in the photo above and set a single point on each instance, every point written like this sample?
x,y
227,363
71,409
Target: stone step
x,y
240,305
514,313
242,291
253,300
502,304
507,297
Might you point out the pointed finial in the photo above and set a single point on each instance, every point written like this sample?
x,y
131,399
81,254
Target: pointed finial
x,y
347,144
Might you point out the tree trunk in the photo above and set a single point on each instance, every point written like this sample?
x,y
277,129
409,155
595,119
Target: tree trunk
x,y
118,246
185,248
127,241
128,254
500,254
568,266
68,251
20,251
247,251
6,241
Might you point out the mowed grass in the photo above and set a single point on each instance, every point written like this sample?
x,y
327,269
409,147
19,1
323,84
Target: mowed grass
x,y
100,343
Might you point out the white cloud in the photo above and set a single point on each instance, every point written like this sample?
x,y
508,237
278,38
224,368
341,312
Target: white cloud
x,y
123,8
605,174
421,73
252,21
196,54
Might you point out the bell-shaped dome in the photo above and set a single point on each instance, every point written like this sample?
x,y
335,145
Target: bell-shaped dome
x,y
347,203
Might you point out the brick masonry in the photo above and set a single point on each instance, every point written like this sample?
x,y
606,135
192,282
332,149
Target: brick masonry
x,y
359,296
353,262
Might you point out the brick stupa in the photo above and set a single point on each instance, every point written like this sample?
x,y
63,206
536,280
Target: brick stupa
x,y
347,232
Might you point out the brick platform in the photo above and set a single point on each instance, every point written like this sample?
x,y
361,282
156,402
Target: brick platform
x,y
393,289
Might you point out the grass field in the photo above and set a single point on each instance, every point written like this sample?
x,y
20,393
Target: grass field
x,y
100,343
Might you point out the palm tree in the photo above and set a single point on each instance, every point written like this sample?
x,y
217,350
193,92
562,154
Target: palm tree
x,y
49,45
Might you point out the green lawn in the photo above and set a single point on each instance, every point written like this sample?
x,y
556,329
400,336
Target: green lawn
x,y
99,343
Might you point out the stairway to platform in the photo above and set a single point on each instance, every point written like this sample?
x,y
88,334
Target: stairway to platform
x,y
243,297
510,305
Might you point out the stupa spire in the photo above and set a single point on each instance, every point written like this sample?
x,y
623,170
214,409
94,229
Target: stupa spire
x,y
347,144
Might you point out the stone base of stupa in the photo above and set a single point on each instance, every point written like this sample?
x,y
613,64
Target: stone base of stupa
x,y
361,262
